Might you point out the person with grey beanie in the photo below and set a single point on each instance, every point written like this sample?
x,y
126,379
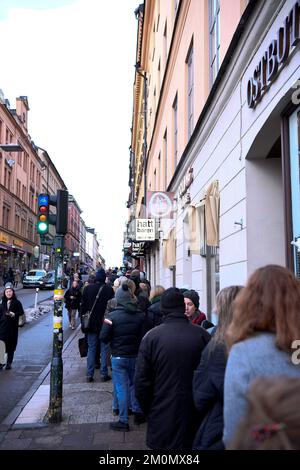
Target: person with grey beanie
x,y
123,330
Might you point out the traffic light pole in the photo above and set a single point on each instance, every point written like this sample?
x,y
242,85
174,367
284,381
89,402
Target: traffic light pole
x,y
54,414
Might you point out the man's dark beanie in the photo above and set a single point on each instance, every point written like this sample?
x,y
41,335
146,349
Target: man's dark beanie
x,y
172,301
193,296
100,275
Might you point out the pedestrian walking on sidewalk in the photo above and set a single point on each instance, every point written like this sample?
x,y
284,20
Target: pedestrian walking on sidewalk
x,y
96,320
10,311
123,330
73,299
167,358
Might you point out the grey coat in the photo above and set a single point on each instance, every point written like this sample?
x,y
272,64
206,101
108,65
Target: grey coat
x,y
254,357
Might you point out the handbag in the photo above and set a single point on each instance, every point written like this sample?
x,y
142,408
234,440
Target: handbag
x,y
85,318
83,347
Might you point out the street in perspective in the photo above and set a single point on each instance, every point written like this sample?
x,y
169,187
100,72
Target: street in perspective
x,y
149,230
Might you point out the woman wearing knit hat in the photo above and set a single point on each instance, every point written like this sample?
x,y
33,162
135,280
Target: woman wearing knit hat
x,y
191,300
10,311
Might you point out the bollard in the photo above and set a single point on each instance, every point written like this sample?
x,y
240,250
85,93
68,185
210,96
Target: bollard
x,y
36,299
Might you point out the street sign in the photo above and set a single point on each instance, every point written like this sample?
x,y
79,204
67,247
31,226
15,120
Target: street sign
x,y
145,230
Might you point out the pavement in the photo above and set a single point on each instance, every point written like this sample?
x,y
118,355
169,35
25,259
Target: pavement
x,y
86,413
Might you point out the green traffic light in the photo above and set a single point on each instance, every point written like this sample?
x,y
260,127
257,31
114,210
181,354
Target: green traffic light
x,y
42,227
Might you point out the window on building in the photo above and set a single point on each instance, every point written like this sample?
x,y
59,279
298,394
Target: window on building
x,y
190,90
214,38
20,158
23,227
7,178
25,162
18,188
175,6
6,217
1,126
166,157
155,181
175,120
158,76
30,230
165,43
17,223
24,199
159,172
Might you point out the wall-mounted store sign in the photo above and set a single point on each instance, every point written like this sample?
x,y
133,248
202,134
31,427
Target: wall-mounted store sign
x,y
145,229
18,243
275,57
3,238
160,204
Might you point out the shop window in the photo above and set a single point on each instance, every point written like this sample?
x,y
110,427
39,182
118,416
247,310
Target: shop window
x,y
214,38
190,90
294,142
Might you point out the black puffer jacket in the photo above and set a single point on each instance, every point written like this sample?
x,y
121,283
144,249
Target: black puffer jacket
x,y
74,302
167,358
208,391
123,330
89,295
154,316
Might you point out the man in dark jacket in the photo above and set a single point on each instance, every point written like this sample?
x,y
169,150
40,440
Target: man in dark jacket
x,y
167,358
96,320
123,329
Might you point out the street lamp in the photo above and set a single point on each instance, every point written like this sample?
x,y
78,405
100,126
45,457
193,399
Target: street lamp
x,y
143,74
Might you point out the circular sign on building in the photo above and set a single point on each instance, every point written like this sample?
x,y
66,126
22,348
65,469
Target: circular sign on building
x,y
160,205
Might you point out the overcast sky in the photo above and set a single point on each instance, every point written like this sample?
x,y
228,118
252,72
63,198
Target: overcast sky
x,y
74,59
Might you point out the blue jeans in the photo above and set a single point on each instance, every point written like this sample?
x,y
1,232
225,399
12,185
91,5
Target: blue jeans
x,y
93,340
123,369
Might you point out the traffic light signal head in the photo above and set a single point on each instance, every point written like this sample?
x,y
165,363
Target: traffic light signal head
x,y
43,214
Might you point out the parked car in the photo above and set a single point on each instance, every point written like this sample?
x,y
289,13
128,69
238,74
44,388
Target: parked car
x,y
33,277
48,281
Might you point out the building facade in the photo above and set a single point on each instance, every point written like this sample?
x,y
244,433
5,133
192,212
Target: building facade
x,y
224,139
20,184
72,239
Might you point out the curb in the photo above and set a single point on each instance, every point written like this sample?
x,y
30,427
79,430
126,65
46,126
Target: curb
x,y
16,411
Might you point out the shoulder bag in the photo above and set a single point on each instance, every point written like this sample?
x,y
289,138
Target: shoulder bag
x,y
85,318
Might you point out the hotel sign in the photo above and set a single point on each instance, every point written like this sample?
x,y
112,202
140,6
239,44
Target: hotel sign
x,y
275,57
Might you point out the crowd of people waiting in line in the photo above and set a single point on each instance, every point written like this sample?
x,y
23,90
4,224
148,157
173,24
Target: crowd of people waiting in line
x,y
198,386
234,385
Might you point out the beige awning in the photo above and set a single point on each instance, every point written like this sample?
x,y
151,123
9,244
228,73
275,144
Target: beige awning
x,y
169,247
212,214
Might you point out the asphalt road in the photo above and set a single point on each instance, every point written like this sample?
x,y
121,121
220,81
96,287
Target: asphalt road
x,y
33,353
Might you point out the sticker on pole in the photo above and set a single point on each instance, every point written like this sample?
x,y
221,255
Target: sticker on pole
x,y
58,294
57,323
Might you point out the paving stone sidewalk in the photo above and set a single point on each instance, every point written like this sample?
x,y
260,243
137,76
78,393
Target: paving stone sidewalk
x,y
86,413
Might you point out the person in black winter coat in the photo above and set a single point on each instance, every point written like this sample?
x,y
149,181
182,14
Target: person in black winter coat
x,y
96,320
72,301
167,358
153,315
123,330
10,311
208,382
